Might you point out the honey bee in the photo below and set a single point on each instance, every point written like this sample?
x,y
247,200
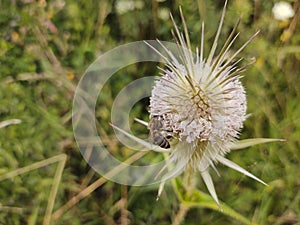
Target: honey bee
x,y
158,135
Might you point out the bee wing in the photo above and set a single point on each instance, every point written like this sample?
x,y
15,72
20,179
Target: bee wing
x,y
148,145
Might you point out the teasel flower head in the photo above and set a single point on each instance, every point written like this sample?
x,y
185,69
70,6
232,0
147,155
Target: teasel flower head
x,y
201,104
197,108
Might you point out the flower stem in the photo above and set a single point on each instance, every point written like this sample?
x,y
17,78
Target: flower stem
x,y
189,181
183,209
189,184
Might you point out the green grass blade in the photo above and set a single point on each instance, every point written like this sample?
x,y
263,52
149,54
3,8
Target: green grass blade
x,y
203,200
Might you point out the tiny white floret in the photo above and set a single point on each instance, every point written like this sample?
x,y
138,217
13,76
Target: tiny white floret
x,y
283,11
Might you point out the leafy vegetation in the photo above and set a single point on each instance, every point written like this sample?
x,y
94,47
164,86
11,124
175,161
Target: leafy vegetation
x,y
46,46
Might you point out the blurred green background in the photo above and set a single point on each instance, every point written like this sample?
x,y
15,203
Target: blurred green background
x,y
46,46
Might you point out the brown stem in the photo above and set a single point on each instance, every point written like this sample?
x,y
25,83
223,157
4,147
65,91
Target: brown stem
x,y
183,209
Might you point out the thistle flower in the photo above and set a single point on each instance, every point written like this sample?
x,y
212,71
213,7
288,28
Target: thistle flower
x,y
197,107
201,104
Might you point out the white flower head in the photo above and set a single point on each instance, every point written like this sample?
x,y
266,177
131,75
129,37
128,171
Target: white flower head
x,y
282,11
201,104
